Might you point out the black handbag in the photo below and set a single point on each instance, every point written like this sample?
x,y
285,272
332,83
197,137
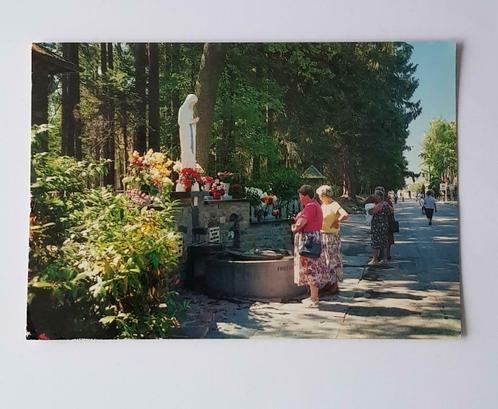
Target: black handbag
x,y
395,226
310,245
393,223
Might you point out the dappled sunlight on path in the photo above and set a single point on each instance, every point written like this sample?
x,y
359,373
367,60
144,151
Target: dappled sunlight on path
x,y
416,296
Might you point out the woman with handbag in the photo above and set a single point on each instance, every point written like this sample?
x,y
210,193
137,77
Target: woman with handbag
x,y
392,222
333,215
309,265
380,229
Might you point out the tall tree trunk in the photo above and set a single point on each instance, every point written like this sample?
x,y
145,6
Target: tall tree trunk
x,y
123,124
140,138
175,103
154,121
211,67
225,156
70,104
110,143
39,102
256,167
106,126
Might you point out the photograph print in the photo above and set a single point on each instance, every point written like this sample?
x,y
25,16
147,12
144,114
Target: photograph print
x,y
243,190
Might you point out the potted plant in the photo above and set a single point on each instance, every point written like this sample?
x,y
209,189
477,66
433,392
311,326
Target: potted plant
x,y
217,189
236,191
225,178
207,181
189,179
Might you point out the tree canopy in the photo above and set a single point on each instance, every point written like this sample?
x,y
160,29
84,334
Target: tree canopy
x,y
439,155
278,107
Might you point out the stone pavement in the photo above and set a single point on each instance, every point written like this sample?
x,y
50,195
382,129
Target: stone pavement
x,y
417,296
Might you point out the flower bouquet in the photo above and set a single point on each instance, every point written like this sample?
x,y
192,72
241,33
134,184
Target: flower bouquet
x,y
268,199
149,174
225,178
217,190
189,177
207,181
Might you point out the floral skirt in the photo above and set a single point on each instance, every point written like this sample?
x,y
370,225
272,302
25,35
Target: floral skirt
x,y
331,249
380,233
307,270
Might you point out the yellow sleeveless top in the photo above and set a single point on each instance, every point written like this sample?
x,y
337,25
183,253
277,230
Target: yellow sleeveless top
x,y
330,216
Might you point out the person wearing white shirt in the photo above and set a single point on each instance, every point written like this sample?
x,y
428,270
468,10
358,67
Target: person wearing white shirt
x,y
430,206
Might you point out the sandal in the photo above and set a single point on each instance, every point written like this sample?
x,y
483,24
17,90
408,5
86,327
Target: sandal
x,y
310,304
313,304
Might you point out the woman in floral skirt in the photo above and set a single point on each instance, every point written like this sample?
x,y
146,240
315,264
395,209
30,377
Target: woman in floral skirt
x,y
307,270
333,215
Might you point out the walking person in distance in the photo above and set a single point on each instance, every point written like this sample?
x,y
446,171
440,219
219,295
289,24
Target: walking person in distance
x,y
430,206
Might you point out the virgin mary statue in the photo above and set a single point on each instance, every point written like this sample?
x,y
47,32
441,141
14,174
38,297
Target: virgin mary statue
x,y
187,124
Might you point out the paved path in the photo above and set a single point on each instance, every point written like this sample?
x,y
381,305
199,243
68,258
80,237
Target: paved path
x,y
417,296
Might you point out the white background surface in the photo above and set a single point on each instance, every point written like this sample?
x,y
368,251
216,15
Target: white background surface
x,y
264,373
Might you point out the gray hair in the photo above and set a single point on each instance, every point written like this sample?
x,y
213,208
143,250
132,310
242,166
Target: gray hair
x,y
324,190
380,194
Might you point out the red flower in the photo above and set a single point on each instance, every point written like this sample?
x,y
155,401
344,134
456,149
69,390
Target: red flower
x,y
188,176
207,180
225,174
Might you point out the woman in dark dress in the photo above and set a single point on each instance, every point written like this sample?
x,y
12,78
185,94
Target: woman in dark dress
x,y
391,221
380,229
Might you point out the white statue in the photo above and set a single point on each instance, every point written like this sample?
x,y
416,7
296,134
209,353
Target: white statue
x,y
187,124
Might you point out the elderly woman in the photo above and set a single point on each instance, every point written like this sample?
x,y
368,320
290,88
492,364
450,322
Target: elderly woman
x,y
380,229
390,233
308,270
333,215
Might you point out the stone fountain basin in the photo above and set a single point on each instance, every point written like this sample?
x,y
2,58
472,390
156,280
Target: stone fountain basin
x,y
253,279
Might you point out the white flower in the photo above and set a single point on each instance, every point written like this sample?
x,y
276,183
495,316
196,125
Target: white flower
x,y
177,167
158,157
255,191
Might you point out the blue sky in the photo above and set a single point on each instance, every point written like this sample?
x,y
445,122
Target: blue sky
x,y
436,91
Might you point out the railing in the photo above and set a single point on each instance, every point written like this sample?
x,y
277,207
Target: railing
x,y
280,211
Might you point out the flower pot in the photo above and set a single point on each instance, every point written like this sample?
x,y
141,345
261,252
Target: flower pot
x,y
180,188
226,188
195,187
206,187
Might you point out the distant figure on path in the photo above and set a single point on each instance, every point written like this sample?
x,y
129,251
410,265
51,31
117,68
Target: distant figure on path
x,y
430,206
421,202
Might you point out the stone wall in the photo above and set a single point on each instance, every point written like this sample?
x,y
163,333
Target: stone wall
x,y
223,213
274,234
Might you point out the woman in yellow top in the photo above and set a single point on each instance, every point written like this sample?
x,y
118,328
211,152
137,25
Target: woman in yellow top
x,y
333,215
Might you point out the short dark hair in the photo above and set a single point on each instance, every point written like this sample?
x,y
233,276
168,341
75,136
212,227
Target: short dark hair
x,y
307,190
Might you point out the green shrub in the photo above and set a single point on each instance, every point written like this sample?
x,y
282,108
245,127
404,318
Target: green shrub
x,y
108,272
